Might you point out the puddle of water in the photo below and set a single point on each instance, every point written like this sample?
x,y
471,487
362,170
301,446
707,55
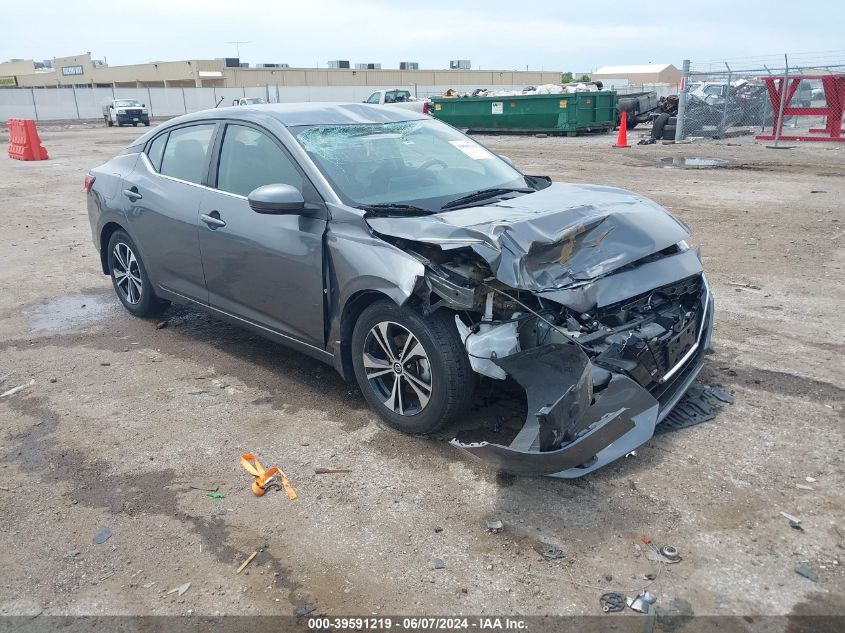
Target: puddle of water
x,y
681,162
71,311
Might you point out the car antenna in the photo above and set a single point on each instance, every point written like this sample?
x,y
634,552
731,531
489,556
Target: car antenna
x,y
219,102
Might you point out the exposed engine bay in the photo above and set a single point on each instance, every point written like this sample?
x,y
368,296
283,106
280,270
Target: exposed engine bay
x,y
604,345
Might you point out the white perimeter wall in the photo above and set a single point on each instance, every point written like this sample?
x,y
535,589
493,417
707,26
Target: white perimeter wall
x,y
46,104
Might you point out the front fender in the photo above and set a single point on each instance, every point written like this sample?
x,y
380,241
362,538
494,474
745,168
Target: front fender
x,y
356,262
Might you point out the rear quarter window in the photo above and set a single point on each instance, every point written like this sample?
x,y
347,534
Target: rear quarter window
x,y
155,150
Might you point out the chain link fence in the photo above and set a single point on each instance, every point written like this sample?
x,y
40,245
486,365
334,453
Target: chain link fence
x,y
721,101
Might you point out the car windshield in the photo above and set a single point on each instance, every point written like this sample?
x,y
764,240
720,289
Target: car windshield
x,y
127,103
254,100
424,163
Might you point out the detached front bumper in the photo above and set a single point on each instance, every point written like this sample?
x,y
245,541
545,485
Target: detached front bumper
x,y
581,416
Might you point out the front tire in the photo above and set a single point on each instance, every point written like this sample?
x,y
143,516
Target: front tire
x,y
413,370
129,277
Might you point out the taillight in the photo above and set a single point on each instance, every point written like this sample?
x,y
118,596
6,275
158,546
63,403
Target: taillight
x,y
425,107
89,182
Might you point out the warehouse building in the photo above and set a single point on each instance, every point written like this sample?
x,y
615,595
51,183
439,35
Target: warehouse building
x,y
83,71
638,74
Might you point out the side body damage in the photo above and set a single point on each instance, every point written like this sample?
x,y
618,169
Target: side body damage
x,y
587,297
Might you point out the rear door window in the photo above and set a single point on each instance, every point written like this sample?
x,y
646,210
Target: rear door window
x,y
186,153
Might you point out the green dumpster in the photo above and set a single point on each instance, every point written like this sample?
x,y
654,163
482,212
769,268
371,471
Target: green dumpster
x,y
569,113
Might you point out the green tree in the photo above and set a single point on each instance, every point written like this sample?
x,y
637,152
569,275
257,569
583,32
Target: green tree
x,y
566,77
584,78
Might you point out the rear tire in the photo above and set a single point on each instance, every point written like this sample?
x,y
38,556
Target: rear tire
x,y
129,277
109,122
424,355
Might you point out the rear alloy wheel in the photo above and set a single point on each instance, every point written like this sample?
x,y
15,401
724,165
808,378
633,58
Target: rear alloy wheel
x,y
413,370
129,277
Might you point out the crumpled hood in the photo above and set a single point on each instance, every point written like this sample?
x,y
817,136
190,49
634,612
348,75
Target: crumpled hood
x,y
549,239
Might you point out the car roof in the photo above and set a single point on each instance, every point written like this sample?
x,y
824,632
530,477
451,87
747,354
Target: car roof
x,y
294,114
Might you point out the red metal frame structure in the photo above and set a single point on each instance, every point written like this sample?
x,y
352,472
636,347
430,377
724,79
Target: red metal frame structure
x,y
834,92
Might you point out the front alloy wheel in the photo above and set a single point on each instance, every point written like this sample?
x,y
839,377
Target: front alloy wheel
x,y
412,369
397,368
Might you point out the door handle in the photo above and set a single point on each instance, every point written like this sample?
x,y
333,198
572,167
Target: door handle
x,y
132,194
212,220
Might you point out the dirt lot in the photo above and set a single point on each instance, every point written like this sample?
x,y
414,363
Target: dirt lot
x,y
122,418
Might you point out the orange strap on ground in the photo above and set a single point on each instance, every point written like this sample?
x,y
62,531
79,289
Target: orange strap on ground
x,y
264,477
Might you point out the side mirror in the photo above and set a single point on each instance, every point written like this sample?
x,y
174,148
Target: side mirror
x,y
508,160
143,105
276,200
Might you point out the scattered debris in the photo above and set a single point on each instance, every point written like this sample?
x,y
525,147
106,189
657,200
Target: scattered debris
x,y
549,552
794,522
669,552
817,191
215,489
181,589
612,602
107,575
246,562
303,611
437,529
655,556
439,563
266,478
161,325
642,603
744,285
330,471
105,363
645,539
147,585
215,495
810,480
803,487
495,526
803,569
72,553
14,390
102,535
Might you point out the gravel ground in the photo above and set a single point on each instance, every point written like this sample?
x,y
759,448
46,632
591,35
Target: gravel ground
x,y
122,418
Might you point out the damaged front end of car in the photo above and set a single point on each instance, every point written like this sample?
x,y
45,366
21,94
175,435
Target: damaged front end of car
x,y
587,297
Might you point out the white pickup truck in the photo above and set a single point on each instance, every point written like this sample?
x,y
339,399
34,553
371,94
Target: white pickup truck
x,y
399,98
126,112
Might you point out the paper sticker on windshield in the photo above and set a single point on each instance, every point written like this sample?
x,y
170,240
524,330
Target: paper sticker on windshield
x,y
497,107
475,152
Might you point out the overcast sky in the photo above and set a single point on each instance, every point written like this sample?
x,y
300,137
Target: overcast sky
x,y
494,34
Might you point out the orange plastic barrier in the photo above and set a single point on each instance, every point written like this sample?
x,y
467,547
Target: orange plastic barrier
x,y
24,142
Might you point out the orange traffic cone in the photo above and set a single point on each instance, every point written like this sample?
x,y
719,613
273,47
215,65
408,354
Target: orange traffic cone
x,y
622,137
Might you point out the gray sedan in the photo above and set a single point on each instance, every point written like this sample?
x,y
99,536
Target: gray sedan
x,y
418,263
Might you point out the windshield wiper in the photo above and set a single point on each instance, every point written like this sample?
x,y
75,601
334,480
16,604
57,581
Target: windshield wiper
x,y
387,207
484,194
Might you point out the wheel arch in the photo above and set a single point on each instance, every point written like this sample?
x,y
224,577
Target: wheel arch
x,y
109,229
352,309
